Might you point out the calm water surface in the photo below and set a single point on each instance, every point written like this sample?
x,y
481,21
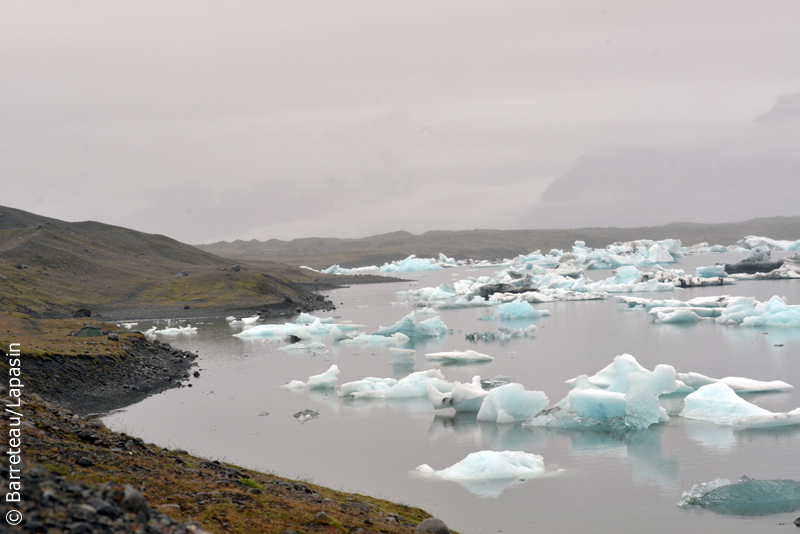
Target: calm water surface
x,y
628,482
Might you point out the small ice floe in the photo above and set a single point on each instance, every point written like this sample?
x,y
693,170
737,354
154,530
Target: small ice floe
x,y
306,415
306,318
395,339
511,403
408,325
314,347
128,326
516,309
488,473
746,497
736,383
719,403
465,397
411,264
177,331
468,356
413,385
326,380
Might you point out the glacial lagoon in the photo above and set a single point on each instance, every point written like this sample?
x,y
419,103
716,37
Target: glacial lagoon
x,y
237,412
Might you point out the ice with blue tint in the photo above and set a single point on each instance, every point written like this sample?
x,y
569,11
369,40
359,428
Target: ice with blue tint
x,y
413,385
751,242
464,397
468,356
491,465
511,403
306,318
719,403
736,383
298,347
677,316
444,260
326,380
335,269
411,264
516,309
750,312
711,271
408,325
292,329
746,497
629,279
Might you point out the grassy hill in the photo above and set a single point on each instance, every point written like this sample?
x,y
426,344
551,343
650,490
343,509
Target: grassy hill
x,y
487,244
49,268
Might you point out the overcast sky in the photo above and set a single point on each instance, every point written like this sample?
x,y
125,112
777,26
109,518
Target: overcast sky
x,y
223,120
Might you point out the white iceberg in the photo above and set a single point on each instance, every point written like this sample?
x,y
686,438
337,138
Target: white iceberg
x,y
408,325
411,264
516,309
459,356
736,383
720,404
491,465
466,397
413,385
511,403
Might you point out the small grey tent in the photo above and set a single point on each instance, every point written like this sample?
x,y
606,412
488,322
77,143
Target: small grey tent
x,y
88,331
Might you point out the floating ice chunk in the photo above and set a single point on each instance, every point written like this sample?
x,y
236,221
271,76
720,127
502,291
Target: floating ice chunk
x,y
297,347
717,402
325,380
230,318
711,271
410,265
177,330
745,497
677,316
413,385
492,464
408,325
337,334
306,318
736,383
615,373
768,421
250,320
295,384
511,403
459,356
365,384
516,309
463,397
658,253
597,404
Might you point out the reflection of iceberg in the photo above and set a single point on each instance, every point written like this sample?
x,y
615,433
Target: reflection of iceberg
x,y
490,472
745,497
715,437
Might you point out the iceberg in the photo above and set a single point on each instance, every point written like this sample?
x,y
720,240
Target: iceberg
x,y
413,385
459,357
408,325
411,264
462,398
176,330
744,497
511,403
711,271
491,464
373,339
736,383
325,380
717,402
306,318
516,309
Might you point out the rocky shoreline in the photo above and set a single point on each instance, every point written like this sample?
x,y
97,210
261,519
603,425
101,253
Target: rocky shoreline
x,y
79,477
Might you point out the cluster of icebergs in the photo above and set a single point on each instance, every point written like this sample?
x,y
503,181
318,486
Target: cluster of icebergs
x,y
152,332
724,309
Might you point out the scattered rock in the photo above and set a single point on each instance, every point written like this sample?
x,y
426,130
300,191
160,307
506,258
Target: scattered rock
x,y
83,461
113,337
236,268
797,522
186,307
133,502
434,526
181,274
305,415
321,517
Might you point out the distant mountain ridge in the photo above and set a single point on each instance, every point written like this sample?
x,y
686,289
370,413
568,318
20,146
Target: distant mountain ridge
x,y
50,268
487,244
